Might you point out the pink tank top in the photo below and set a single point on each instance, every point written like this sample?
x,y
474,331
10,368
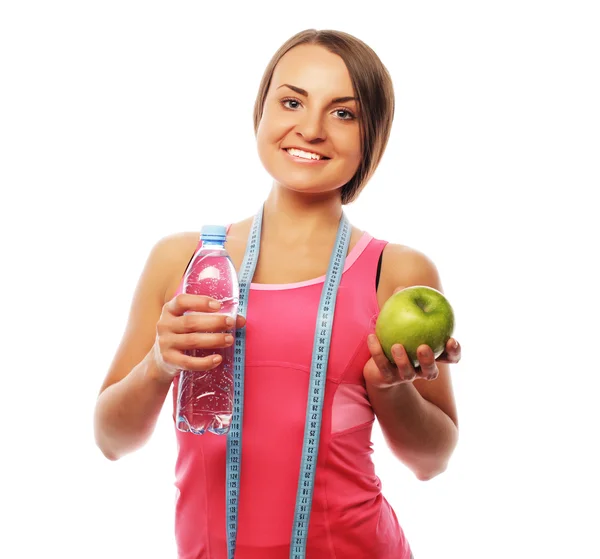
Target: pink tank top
x,y
350,518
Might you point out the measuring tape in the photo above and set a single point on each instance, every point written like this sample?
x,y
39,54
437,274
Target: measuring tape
x,y
316,391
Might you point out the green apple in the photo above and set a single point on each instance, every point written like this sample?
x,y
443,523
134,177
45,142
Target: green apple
x,y
414,316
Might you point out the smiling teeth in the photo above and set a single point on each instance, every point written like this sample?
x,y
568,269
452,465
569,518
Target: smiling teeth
x,y
303,154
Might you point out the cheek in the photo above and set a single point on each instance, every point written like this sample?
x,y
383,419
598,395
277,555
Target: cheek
x,y
351,150
267,136
270,130
273,117
264,134
353,160
347,140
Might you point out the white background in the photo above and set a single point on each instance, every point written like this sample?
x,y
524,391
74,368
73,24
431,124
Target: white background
x,y
122,122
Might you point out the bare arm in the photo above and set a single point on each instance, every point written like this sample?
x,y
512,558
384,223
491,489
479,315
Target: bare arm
x,y
419,418
153,349
134,392
419,433
127,411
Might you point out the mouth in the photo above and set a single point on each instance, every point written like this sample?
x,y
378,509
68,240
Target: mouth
x,y
308,156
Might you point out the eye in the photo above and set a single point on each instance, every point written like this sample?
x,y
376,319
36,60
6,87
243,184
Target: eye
x,y
350,115
284,101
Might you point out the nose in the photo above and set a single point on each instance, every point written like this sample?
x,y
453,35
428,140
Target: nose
x,y
311,127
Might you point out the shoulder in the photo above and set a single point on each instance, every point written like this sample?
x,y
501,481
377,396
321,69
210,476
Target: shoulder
x,y
171,255
174,243
403,266
172,249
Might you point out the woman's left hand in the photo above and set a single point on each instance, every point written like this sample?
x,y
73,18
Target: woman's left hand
x,y
380,373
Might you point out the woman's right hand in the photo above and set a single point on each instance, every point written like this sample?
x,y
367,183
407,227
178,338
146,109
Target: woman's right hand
x,y
203,328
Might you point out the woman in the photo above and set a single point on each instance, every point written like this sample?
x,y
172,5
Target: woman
x,y
322,120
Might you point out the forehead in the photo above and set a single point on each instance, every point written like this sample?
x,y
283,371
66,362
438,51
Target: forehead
x,y
315,69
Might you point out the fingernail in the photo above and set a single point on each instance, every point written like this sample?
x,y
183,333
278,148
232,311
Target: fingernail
x,y
215,304
216,359
229,321
228,339
398,351
455,344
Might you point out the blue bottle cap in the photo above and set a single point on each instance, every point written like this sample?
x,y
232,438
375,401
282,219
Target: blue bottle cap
x,y
213,233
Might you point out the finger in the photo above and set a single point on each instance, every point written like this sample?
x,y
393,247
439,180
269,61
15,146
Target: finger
x,y
200,322
182,361
218,321
240,321
379,357
200,341
186,302
427,364
451,353
453,350
406,370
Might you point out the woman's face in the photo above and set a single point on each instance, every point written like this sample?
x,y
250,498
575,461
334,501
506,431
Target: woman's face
x,y
305,109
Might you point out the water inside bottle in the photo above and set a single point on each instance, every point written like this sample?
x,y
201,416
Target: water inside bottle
x,y
205,398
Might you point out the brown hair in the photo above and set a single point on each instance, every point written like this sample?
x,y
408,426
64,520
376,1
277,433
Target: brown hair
x,y
372,85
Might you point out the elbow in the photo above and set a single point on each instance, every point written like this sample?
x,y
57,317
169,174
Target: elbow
x,y
107,452
103,444
426,475
437,464
101,438
109,455
423,469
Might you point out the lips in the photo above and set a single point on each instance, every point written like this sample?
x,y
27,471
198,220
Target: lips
x,y
323,156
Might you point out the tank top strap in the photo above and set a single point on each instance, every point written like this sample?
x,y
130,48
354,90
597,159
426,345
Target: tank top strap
x,y
364,268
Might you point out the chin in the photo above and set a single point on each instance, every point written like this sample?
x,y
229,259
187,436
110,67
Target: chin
x,y
302,178
303,188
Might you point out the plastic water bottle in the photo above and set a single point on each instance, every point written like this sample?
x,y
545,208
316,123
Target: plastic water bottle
x,y
205,398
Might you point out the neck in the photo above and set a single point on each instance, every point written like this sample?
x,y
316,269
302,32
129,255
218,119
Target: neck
x,y
291,215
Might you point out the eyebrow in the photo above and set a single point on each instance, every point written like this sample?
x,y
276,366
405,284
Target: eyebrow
x,y
301,91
